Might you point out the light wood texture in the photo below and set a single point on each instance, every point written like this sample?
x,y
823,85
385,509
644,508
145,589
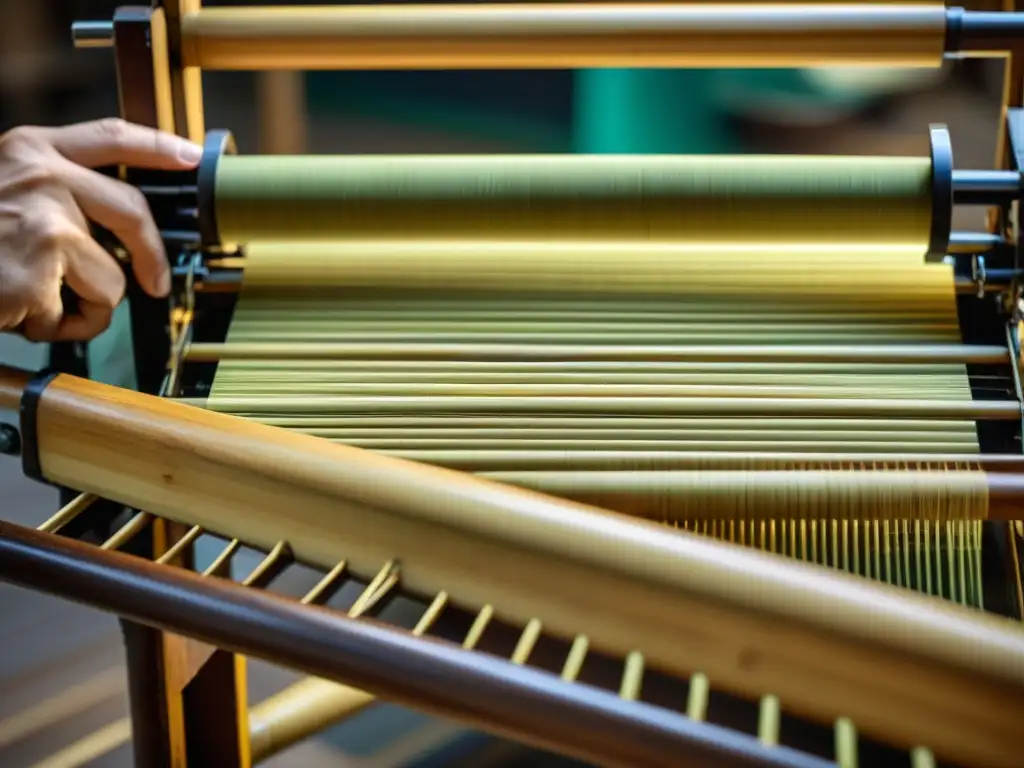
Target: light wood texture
x,y
723,407
12,384
299,711
186,81
905,669
557,36
162,93
154,90
297,353
281,101
757,496
539,460
438,350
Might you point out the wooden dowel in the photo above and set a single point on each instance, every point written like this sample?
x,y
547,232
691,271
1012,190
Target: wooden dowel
x,y
12,384
299,711
1005,496
585,425
787,390
533,706
919,354
625,447
552,459
573,36
906,669
68,512
811,408
281,101
758,494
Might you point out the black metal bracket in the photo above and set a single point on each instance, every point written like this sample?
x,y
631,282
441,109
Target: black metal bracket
x,y
942,191
1015,144
28,419
217,144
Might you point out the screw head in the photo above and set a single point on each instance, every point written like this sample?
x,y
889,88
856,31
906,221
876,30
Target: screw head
x,y
10,440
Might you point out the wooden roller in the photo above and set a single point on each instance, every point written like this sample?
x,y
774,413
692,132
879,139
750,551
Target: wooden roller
x,y
905,669
560,36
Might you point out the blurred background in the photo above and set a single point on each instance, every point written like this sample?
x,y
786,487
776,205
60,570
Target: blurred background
x,y
62,687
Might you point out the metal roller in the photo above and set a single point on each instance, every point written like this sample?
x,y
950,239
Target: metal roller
x,y
582,35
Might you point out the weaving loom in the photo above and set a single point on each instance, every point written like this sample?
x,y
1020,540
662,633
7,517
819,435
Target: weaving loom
x,y
489,389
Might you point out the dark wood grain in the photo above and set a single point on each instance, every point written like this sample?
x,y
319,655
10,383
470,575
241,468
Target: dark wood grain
x,y
532,706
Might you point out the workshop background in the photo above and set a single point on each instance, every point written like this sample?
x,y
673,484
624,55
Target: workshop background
x,y
62,684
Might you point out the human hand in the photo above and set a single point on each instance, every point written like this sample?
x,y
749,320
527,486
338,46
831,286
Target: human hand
x,y
48,191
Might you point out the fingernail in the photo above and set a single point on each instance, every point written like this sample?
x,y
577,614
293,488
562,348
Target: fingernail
x,y
163,283
190,153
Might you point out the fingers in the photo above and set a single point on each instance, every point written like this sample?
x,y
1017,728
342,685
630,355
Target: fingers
x,y
32,289
116,142
123,210
97,280
65,250
53,193
90,322
43,321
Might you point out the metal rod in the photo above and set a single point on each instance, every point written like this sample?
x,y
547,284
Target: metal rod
x,y
990,30
92,34
531,706
980,181
986,187
974,242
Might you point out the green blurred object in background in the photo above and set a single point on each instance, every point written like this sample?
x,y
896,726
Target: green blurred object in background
x,y
642,111
692,111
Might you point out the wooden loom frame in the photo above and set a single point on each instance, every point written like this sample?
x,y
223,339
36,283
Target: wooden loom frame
x,y
188,697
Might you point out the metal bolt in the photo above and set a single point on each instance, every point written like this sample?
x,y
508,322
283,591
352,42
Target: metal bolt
x,y
10,440
93,34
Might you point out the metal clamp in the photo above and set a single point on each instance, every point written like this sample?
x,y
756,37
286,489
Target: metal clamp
x,y
28,415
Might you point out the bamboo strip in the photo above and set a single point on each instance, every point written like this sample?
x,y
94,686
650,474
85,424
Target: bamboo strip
x,y
557,459
879,353
826,494
726,407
